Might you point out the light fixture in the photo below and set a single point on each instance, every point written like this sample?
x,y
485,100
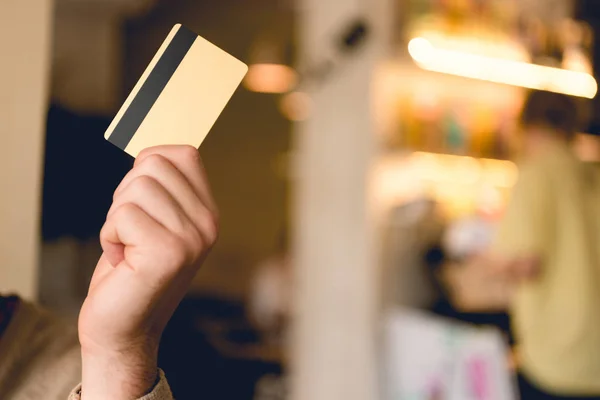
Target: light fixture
x,y
501,70
270,78
271,56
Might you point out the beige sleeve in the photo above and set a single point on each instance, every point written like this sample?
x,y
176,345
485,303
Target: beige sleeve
x,y
527,222
161,391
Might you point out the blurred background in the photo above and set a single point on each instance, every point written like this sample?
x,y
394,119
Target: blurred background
x,y
362,166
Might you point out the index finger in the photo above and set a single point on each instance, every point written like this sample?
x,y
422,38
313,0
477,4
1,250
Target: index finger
x,y
187,160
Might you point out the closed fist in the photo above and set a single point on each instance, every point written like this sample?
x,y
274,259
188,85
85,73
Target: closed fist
x,y
162,223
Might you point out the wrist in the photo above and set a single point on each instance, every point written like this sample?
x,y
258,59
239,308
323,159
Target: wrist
x,y
118,375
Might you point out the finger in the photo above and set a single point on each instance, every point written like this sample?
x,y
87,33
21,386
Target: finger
x,y
112,235
146,193
103,268
146,244
187,160
150,196
167,175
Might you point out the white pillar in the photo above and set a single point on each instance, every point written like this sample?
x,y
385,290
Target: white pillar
x,y
25,39
335,329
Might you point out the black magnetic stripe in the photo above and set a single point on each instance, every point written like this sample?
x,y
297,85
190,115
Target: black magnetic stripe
x,y
152,88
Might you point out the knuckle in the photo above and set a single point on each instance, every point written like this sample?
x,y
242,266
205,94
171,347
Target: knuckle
x,y
154,161
216,218
145,153
117,191
212,229
195,243
199,240
126,210
123,212
103,233
189,153
143,184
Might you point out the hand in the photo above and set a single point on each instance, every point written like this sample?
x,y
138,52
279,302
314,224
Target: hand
x,y
476,286
526,269
517,270
161,225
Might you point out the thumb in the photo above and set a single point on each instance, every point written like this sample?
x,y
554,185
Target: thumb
x,y
127,227
114,253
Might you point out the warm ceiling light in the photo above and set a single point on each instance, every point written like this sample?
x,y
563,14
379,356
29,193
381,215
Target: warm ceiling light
x,y
270,78
500,70
453,169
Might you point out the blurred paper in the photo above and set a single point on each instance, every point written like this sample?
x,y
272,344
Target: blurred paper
x,y
429,358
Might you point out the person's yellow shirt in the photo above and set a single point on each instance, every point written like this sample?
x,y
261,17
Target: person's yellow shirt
x,y
554,213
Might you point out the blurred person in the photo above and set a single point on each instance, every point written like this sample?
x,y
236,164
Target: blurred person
x,y
158,230
410,229
270,308
474,285
548,243
271,292
468,291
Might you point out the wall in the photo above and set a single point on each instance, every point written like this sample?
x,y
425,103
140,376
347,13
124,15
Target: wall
x,y
86,58
243,145
25,37
87,64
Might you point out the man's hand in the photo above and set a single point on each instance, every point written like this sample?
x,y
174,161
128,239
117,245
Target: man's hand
x,y
161,225
525,269
517,270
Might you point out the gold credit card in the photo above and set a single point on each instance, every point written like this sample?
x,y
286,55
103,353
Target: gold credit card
x,y
180,95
